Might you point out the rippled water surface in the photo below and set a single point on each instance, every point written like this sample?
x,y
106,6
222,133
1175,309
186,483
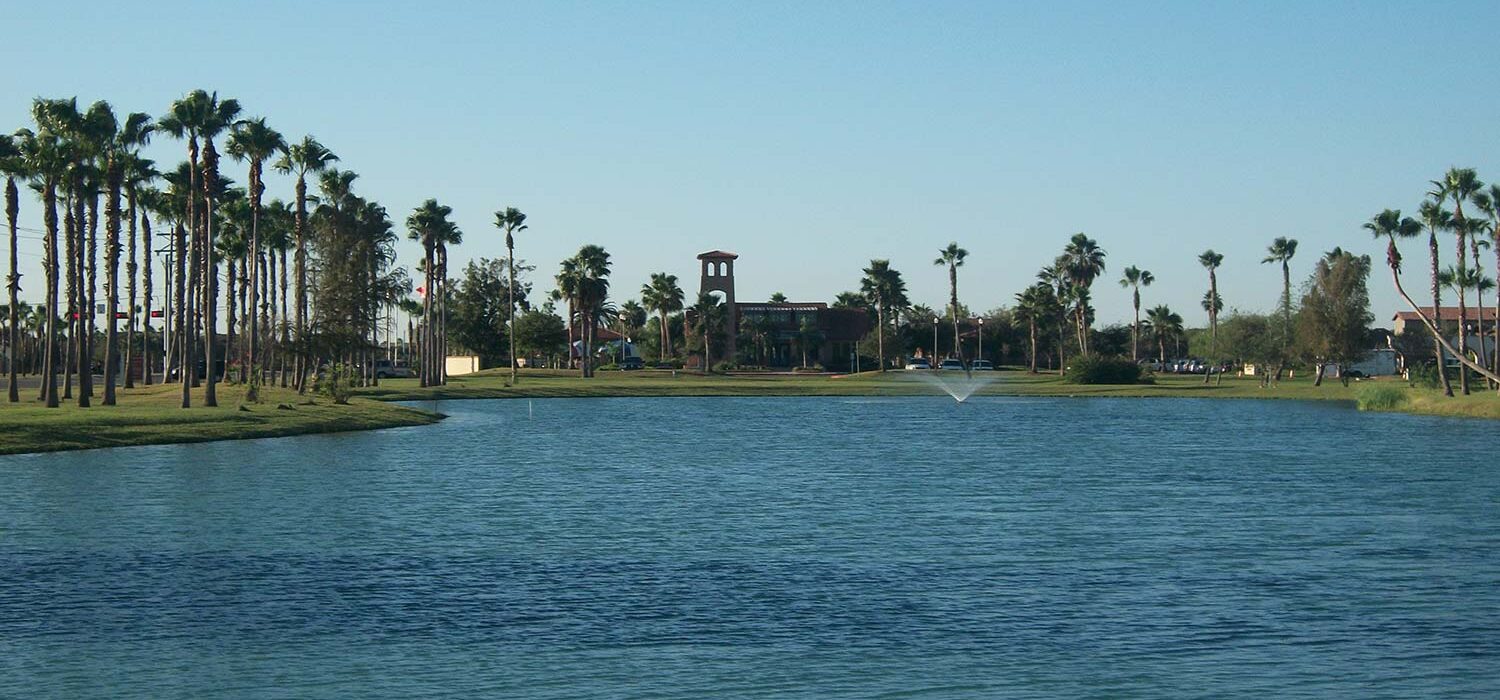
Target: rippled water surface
x,y
820,548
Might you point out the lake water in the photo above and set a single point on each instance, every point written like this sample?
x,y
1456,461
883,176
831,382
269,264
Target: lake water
x,y
818,548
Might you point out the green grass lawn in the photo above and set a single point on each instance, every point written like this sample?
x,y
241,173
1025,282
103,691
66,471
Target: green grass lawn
x,y
152,415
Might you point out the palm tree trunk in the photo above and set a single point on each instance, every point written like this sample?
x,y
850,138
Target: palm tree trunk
x,y
86,364
132,269
146,306
1031,323
251,371
111,284
284,347
662,335
13,283
1463,310
1437,313
49,357
879,333
303,341
1135,330
211,279
510,253
953,308
75,305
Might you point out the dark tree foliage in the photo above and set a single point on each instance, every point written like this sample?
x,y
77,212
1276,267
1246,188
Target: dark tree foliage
x,y
479,309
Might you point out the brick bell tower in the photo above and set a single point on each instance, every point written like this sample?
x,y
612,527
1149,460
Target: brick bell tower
x,y
718,276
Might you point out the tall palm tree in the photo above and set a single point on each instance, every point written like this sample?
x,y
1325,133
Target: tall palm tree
x,y
1390,225
1461,184
1282,250
953,257
148,200
13,165
1436,219
663,296
710,315
137,172
48,158
429,225
593,267
1063,293
1034,306
1489,203
1211,262
301,158
1135,278
1165,325
1082,261
883,288
511,221
252,140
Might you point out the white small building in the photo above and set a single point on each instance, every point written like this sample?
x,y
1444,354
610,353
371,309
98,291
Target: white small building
x,y
459,365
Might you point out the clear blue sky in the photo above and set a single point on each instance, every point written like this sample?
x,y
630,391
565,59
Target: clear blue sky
x,y
811,137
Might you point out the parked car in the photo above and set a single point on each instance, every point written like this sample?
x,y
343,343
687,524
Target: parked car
x,y
632,363
981,366
918,363
952,364
393,369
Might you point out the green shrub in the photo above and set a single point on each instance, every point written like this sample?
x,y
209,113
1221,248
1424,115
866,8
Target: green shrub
x,y
1381,396
723,367
336,382
1104,370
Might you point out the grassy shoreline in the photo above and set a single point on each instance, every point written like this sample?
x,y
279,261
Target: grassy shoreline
x,y
150,415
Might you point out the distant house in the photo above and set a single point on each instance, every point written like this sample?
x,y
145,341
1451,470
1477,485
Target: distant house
x,y
838,331
1472,318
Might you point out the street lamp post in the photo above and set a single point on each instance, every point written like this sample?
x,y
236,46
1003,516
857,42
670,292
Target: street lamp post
x,y
981,337
934,340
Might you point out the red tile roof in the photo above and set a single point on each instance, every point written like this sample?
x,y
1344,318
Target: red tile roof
x,y
1450,313
717,254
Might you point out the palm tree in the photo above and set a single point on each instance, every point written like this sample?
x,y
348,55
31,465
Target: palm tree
x,y
710,316
306,156
1082,261
631,316
1063,293
201,114
428,224
13,165
1033,306
254,141
47,158
808,335
1461,184
663,296
883,288
1135,278
147,201
1282,250
1211,261
511,221
1436,219
137,172
1489,203
953,257
1461,281
592,270
778,298
1390,225
1165,325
